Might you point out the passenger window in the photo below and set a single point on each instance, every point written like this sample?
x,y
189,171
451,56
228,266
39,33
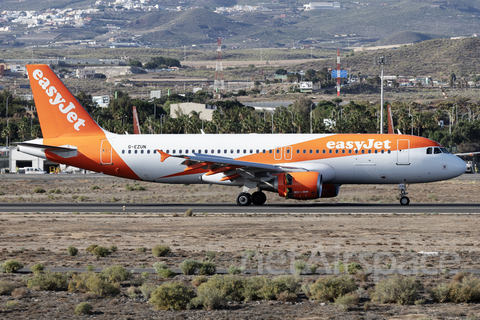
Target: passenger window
x,y
318,151
225,151
199,151
123,151
258,151
186,151
389,151
336,151
288,150
311,151
429,150
369,151
329,151
180,151
213,151
251,151
231,150
135,151
343,151
148,151
356,151
350,151
244,151
376,151
129,151
323,150
270,151
383,151
298,151
278,150
173,151
304,151
141,152
363,151
154,151
238,150
219,151
264,151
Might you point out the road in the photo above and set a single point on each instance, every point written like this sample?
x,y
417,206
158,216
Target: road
x,y
310,208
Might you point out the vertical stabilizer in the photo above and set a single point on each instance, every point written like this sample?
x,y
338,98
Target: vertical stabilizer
x,y
391,130
136,123
59,112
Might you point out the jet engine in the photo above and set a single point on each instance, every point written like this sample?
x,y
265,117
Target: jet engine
x,y
300,185
330,190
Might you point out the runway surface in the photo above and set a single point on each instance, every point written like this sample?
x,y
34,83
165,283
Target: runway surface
x,y
314,208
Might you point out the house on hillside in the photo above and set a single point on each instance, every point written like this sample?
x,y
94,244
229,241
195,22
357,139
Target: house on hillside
x,y
322,6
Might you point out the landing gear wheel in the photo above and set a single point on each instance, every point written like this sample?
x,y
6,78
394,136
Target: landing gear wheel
x,y
244,199
258,198
404,201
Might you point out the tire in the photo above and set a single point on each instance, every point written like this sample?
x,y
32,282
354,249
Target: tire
x,y
244,199
404,201
258,198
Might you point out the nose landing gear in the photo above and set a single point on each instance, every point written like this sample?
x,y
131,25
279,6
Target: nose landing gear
x,y
404,200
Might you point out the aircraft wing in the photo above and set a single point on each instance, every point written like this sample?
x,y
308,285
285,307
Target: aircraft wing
x,y
231,168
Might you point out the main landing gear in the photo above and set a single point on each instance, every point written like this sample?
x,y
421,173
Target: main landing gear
x,y
404,200
257,198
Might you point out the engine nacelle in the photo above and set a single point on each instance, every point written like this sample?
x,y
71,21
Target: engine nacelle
x,y
330,190
300,185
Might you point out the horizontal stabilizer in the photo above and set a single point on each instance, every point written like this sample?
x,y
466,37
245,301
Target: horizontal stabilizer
x,y
65,151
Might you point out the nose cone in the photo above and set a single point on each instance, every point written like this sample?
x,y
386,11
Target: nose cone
x,y
456,166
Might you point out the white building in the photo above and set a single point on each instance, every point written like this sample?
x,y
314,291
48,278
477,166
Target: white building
x,y
205,111
322,6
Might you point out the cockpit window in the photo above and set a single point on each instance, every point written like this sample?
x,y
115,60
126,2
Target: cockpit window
x,y
444,150
437,150
429,150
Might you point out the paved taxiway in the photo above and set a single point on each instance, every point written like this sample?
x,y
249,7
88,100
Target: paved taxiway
x,y
269,208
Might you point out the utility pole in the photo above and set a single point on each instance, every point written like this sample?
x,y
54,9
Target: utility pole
x,y
381,61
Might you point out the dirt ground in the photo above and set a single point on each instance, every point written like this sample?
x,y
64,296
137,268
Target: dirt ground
x,y
381,242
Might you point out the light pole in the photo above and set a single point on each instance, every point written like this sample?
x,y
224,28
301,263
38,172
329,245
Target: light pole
x,y
161,123
381,61
6,116
292,119
272,122
450,126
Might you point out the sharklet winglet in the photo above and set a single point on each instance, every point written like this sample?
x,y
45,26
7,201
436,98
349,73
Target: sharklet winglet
x,y
163,155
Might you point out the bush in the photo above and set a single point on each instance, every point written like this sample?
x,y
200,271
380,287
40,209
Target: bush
x,y
94,187
91,247
94,283
166,273
39,190
72,251
11,266
286,296
252,287
6,288
141,250
272,288
209,297
345,302
145,275
197,281
172,296
188,266
234,270
189,213
159,266
210,255
464,288
90,268
353,268
160,251
101,251
330,288
230,287
38,267
300,265
11,305
112,249
207,268
397,289
313,268
19,293
48,281
83,308
147,289
117,274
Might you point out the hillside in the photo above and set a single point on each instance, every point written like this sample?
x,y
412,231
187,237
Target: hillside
x,y
406,37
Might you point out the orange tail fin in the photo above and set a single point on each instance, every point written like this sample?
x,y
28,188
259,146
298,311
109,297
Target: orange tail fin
x,y
136,123
58,110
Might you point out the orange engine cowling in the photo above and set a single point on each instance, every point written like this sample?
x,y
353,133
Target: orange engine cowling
x,y
330,190
300,185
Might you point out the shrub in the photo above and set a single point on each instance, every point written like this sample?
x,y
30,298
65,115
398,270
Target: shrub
x,y
90,268
129,188
252,287
116,273
91,247
209,297
6,288
94,187
353,268
313,268
147,289
188,266
38,267
197,281
11,266
40,249
83,308
189,213
166,273
330,288
39,190
345,302
300,265
72,251
132,292
230,287
100,285
159,266
140,188
112,249
145,275
440,293
249,254
397,289
101,251
234,270
11,305
210,255
207,268
160,251
286,296
141,250
464,288
280,284
19,293
48,281
172,296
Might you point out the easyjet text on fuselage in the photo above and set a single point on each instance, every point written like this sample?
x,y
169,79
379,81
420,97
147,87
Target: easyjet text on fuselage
x,y
369,144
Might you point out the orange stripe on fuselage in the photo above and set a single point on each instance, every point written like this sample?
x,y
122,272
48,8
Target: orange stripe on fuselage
x,y
88,156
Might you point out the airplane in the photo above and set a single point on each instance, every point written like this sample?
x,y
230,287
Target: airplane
x,y
136,123
296,166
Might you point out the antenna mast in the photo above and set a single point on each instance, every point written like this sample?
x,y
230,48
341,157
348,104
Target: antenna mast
x,y
219,84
